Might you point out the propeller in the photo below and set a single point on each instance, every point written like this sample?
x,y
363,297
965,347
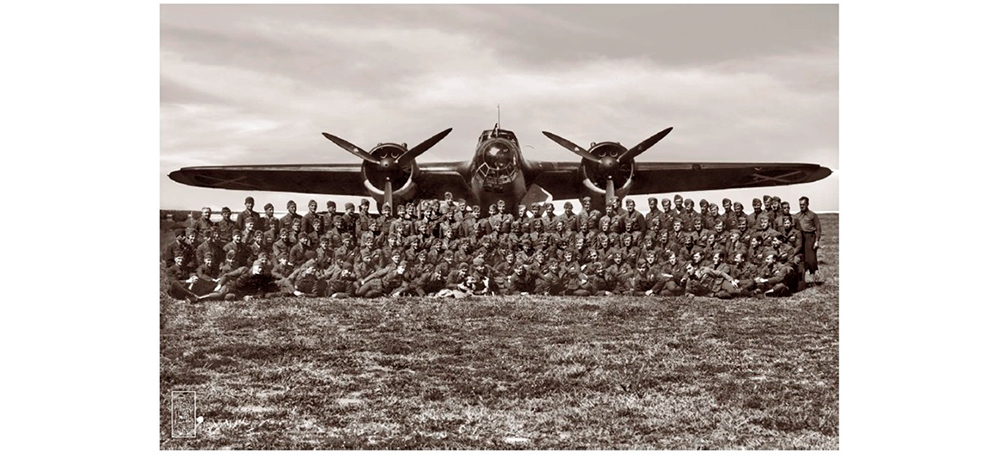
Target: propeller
x,y
388,195
388,165
413,153
355,150
607,166
569,145
644,146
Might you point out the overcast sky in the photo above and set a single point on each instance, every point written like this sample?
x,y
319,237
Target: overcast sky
x,y
257,84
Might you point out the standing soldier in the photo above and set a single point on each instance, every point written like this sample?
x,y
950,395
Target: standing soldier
x,y
331,212
203,225
248,214
809,224
654,211
308,220
753,217
583,218
291,216
570,220
226,226
633,218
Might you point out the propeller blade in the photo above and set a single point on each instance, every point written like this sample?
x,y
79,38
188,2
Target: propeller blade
x,y
572,147
644,146
388,195
354,150
609,192
411,154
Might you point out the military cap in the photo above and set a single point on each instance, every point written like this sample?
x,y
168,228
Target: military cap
x,y
268,206
248,199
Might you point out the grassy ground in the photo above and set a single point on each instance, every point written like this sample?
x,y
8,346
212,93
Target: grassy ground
x,y
505,373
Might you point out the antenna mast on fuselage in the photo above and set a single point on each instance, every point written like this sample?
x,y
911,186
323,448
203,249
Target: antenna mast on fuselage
x,y
498,117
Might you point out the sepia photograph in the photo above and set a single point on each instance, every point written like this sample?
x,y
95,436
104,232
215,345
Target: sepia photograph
x,y
499,227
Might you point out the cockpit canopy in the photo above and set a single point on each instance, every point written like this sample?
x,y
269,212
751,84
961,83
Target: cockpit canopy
x,y
498,133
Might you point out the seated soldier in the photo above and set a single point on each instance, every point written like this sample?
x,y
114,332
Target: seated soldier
x,y
257,281
779,280
179,279
744,272
705,281
673,273
383,282
520,281
600,282
644,281
550,283
212,244
307,282
183,245
342,282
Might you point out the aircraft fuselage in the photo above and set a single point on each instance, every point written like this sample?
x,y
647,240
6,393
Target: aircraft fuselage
x,y
497,169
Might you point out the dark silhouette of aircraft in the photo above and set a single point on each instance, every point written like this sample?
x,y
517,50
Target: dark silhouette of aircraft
x,y
499,171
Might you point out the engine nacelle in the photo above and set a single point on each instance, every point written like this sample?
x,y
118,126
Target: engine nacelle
x,y
595,184
403,176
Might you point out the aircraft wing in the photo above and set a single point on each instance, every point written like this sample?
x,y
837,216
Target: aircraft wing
x,y
328,179
562,179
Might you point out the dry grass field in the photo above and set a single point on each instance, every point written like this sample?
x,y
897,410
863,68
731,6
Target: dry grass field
x,y
509,373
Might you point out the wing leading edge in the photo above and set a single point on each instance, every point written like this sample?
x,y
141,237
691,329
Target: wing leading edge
x,y
562,179
327,179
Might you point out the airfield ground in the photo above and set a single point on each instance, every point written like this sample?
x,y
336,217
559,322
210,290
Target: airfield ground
x,y
509,373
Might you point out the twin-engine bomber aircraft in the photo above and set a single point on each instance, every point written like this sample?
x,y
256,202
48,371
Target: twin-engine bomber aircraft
x,y
498,171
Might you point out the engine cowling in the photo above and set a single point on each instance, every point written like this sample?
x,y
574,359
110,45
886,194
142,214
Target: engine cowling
x,y
595,176
401,176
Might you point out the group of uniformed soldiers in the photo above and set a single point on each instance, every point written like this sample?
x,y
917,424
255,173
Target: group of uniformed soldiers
x,y
446,248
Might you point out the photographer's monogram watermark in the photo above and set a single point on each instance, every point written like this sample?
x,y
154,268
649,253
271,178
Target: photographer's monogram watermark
x,y
183,414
